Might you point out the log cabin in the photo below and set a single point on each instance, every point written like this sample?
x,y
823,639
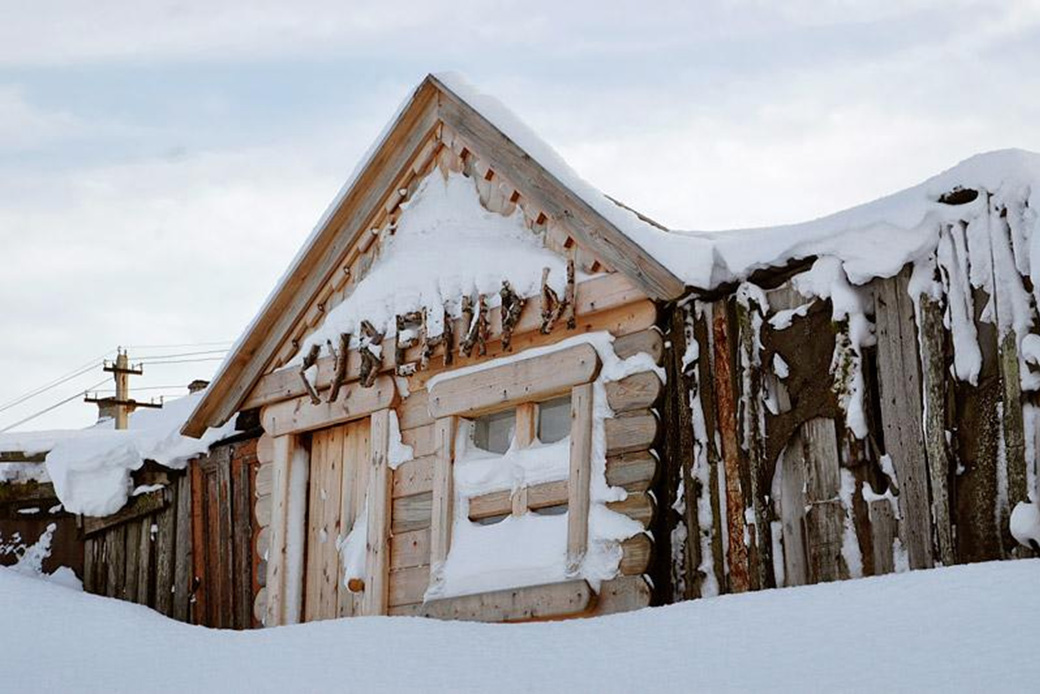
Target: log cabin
x,y
488,391
485,390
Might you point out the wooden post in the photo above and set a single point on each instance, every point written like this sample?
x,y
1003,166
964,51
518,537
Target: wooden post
x,y
901,411
792,512
526,433
276,559
443,514
377,559
934,374
580,471
826,516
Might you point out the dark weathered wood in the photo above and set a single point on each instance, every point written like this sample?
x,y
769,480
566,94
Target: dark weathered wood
x,y
885,528
183,562
22,457
901,411
792,513
165,557
978,534
934,374
137,506
133,548
702,333
241,539
145,563
115,546
1014,434
724,363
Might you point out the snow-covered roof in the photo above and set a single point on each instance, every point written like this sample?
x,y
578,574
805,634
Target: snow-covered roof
x,y
90,468
872,240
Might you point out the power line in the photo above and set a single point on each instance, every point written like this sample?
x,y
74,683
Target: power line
x,y
57,382
183,361
185,344
182,354
53,407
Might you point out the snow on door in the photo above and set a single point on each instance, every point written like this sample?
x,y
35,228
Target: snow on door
x,y
336,497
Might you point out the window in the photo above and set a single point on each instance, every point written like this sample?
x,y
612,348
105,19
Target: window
x,y
554,420
494,432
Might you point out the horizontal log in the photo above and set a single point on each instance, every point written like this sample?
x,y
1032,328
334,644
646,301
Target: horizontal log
x,y
636,553
592,297
265,449
423,440
300,414
547,601
490,505
645,341
413,477
262,510
547,494
638,506
413,410
263,542
535,378
264,479
635,472
630,432
408,549
260,605
622,594
137,507
636,392
408,586
30,490
411,513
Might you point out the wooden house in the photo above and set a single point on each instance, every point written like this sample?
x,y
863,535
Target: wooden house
x,y
488,391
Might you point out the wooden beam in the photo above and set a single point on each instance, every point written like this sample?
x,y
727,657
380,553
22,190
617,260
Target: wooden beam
x,y
549,194
635,472
580,474
442,517
594,298
276,565
547,601
633,431
377,558
636,392
22,457
300,415
528,379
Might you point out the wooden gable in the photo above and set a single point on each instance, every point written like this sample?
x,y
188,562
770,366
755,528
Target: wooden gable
x,y
436,130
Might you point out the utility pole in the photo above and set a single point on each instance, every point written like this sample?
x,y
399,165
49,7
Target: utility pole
x,y
122,403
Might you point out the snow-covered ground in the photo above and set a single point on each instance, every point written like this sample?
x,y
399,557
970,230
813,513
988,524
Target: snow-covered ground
x,y
969,628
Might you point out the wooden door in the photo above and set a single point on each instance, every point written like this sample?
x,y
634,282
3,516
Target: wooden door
x,y
338,477
222,493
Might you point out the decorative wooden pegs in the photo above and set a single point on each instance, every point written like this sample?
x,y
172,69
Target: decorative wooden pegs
x,y
308,361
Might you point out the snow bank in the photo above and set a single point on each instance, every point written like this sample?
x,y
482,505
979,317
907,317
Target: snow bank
x,y
90,468
960,629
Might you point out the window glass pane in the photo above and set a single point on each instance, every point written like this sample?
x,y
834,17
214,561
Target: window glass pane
x,y
554,419
494,432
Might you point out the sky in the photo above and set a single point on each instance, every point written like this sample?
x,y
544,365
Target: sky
x,y
161,162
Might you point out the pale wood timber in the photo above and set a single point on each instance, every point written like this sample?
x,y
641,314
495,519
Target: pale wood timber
x,y
633,431
547,193
412,512
377,555
826,516
260,605
300,415
356,450
276,559
636,392
410,549
264,479
635,472
265,448
612,294
490,505
547,494
526,431
636,553
638,506
321,599
901,411
580,475
413,411
442,512
347,222
421,439
414,476
547,601
643,342
407,586
528,379
622,594
792,513
262,508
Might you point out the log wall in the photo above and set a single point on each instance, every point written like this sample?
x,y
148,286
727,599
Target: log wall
x,y
774,486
